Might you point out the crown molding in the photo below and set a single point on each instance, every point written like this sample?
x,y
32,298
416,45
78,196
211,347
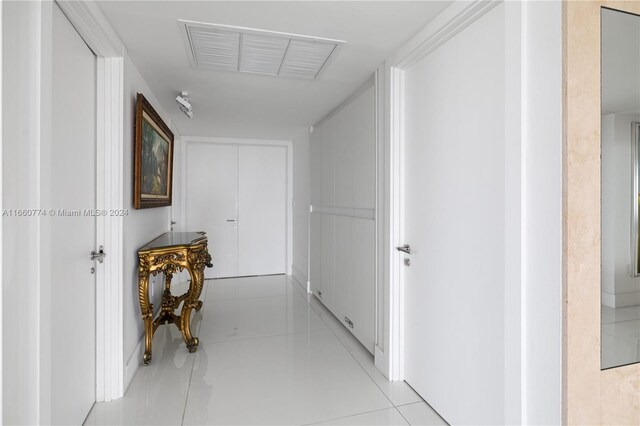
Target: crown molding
x,y
450,22
93,27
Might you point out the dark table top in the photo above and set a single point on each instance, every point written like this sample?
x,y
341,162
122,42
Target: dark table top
x,y
174,239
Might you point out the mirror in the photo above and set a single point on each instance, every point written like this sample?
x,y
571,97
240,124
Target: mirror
x,y
620,254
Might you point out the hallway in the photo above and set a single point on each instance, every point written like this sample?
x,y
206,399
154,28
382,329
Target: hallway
x,y
269,354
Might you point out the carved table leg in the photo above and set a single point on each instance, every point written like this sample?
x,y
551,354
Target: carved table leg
x,y
145,307
196,263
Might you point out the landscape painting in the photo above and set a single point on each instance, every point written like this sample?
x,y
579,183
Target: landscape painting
x,y
153,158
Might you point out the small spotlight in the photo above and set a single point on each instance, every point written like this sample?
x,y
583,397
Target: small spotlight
x,y
185,104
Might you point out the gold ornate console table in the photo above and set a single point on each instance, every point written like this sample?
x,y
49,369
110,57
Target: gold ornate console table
x,y
169,253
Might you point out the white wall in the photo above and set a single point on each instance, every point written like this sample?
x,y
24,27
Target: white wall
x,y
301,199
21,134
140,226
541,297
619,287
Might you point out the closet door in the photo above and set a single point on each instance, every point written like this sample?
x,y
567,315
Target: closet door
x,y
327,260
315,254
343,258
212,202
361,289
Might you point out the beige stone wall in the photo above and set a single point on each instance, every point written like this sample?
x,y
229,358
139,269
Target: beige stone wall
x,y
590,396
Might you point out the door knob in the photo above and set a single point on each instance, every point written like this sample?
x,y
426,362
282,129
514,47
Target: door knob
x,y
405,248
99,255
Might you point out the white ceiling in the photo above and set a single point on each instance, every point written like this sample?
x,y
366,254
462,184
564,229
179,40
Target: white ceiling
x,y
257,106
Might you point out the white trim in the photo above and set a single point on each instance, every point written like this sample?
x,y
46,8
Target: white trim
x,y
133,363
450,22
94,28
109,230
396,300
514,324
608,299
381,221
1,223
369,83
288,145
621,300
42,195
300,278
376,214
344,211
103,40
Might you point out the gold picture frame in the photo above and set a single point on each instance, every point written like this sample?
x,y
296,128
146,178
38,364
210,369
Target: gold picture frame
x,y
152,158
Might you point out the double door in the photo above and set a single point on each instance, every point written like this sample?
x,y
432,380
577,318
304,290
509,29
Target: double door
x,y
238,195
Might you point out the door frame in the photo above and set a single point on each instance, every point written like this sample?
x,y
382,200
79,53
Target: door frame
x,y
34,264
390,358
186,141
102,39
533,164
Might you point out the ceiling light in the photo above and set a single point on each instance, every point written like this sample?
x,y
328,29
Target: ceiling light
x,y
248,50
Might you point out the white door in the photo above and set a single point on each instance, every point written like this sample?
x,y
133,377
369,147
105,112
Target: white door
x,y
454,213
262,224
73,186
212,202
237,194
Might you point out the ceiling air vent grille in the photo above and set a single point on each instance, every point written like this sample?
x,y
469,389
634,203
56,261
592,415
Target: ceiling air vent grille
x,y
226,48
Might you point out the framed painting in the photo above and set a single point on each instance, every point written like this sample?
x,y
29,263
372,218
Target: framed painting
x,y
152,158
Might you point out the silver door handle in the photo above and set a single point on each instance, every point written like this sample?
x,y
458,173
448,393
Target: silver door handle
x,y
99,255
405,248
232,220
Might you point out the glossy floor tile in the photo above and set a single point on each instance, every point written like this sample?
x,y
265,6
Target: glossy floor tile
x,y
329,319
620,340
247,287
158,392
269,354
260,317
293,379
399,393
389,416
420,414
611,315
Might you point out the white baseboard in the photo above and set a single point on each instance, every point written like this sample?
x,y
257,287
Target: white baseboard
x,y
620,300
300,278
624,300
133,363
381,362
608,299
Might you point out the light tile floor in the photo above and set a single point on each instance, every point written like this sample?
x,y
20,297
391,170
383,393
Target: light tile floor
x,y
269,354
620,336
